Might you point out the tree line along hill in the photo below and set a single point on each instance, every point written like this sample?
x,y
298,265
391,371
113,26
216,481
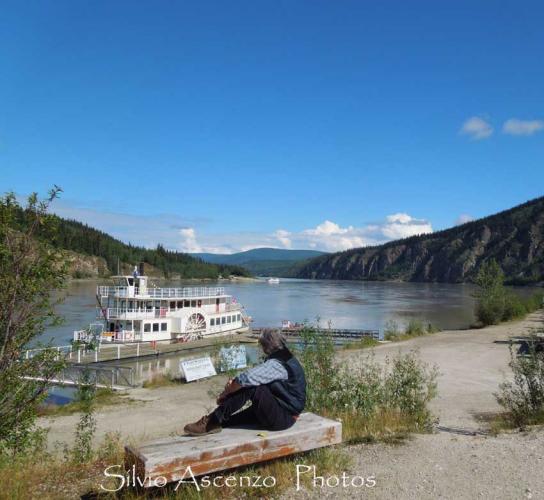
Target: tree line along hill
x,y
94,253
513,238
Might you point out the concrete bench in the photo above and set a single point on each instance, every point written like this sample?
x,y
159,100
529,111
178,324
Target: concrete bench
x,y
170,457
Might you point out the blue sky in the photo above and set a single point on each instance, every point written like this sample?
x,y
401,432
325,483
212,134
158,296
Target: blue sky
x,y
307,124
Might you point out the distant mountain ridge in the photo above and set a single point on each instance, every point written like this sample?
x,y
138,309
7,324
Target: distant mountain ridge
x,y
254,254
514,238
264,261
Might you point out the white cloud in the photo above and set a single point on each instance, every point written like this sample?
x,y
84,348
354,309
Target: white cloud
x,y
463,219
189,235
403,225
189,243
283,237
522,127
331,237
476,128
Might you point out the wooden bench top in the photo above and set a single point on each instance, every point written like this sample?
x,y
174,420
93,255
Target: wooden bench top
x,y
232,447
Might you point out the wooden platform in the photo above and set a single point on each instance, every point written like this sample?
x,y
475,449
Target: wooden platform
x,y
233,447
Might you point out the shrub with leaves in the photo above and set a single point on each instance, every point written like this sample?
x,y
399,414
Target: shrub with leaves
x,y
364,390
30,270
523,396
85,429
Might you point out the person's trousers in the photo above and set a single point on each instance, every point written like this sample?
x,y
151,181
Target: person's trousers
x,y
265,410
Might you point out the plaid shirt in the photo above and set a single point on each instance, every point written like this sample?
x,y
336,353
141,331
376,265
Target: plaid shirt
x,y
262,374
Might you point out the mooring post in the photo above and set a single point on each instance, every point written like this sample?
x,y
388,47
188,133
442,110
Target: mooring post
x,y
96,356
138,350
27,354
119,351
79,355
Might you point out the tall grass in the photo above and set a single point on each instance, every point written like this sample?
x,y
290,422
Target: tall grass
x,y
414,328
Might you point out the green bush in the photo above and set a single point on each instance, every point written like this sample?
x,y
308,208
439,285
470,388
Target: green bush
x,y
523,397
513,307
403,386
491,294
494,302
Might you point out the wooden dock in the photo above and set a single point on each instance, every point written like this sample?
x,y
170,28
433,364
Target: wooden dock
x,y
175,458
334,333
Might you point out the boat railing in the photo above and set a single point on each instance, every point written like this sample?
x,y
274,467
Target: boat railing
x,y
165,293
122,313
160,293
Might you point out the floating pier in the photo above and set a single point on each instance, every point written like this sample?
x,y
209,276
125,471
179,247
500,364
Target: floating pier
x,y
335,333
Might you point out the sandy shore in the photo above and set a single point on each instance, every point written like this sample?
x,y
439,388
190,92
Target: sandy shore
x,y
447,464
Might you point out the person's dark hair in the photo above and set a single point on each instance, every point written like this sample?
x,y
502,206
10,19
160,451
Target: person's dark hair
x,y
271,341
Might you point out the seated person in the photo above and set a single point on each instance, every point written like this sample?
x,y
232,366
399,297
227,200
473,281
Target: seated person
x,y
276,389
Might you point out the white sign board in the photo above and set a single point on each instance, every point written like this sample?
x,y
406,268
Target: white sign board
x,y
194,369
233,358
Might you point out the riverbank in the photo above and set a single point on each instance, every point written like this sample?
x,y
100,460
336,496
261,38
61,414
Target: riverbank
x,y
459,461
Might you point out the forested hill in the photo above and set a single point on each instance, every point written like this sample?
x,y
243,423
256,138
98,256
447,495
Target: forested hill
x,y
82,239
514,238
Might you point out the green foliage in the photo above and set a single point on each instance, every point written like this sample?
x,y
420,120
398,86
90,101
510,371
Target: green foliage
x,y
83,442
523,397
495,303
317,358
363,343
366,389
30,270
414,328
78,237
491,296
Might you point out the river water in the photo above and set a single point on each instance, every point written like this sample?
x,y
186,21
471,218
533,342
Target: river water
x,y
345,304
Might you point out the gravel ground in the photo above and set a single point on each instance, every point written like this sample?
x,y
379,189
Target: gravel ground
x,y
447,466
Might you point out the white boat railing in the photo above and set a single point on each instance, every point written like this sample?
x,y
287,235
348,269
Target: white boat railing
x,y
123,313
160,293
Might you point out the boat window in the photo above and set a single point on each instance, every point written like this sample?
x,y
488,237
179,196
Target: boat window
x,y
164,327
212,322
187,303
180,304
131,281
172,305
223,320
155,327
147,327
229,319
193,303
239,317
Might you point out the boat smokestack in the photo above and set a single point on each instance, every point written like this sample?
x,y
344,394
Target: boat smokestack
x,y
141,268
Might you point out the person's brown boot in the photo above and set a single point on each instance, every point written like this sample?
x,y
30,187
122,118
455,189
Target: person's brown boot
x,y
206,425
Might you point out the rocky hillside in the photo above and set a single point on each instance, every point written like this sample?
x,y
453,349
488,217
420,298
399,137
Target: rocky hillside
x,y
514,238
